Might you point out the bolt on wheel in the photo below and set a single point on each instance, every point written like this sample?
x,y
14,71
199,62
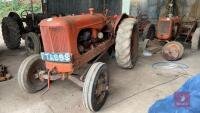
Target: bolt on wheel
x,y
173,51
95,90
28,74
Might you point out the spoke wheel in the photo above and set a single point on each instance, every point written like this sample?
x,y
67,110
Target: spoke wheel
x,y
28,74
95,90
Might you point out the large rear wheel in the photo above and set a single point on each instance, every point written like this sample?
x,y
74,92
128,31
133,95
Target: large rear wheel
x,y
95,90
32,43
11,32
17,18
28,74
126,44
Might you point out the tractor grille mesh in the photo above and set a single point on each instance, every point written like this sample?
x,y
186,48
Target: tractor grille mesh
x,y
164,28
54,39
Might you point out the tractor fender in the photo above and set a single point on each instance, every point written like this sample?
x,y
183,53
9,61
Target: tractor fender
x,y
118,21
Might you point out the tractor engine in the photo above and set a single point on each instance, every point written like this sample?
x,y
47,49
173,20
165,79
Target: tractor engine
x,y
84,40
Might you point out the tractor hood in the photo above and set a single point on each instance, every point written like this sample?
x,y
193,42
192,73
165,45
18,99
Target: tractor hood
x,y
75,22
60,33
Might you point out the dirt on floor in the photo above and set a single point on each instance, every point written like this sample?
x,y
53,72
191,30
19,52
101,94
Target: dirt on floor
x,y
131,91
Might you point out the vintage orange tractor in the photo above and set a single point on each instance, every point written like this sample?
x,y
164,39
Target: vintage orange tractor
x,y
173,30
26,25
73,42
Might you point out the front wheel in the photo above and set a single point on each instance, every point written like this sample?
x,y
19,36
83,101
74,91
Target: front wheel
x,y
95,89
28,74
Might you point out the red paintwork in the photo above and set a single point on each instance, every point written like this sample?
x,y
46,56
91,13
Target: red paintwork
x,y
172,22
60,34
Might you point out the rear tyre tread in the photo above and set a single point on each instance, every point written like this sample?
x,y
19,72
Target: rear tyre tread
x,y
11,33
123,43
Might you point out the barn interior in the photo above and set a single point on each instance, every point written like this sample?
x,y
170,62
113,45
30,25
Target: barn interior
x,y
158,73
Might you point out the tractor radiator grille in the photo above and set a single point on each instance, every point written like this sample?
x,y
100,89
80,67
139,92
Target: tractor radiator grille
x,y
164,28
54,39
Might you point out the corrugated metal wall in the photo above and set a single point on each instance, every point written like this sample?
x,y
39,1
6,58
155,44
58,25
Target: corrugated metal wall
x,y
78,6
149,7
156,7
115,6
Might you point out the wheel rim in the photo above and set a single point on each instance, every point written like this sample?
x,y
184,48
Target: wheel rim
x,y
172,51
100,90
134,44
33,74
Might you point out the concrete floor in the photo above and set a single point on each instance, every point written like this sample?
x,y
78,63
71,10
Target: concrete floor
x,y
132,91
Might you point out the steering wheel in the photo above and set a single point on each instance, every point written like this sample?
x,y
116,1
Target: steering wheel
x,y
25,13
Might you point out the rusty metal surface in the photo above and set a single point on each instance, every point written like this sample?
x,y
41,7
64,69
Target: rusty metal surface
x,y
152,46
4,73
81,60
173,51
166,28
187,29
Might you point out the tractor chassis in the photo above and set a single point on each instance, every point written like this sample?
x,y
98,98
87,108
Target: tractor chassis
x,y
77,78
102,47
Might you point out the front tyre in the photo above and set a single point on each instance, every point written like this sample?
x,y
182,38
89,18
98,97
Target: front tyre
x,y
28,74
95,89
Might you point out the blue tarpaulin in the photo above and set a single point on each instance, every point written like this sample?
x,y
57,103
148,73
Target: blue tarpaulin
x,y
184,100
